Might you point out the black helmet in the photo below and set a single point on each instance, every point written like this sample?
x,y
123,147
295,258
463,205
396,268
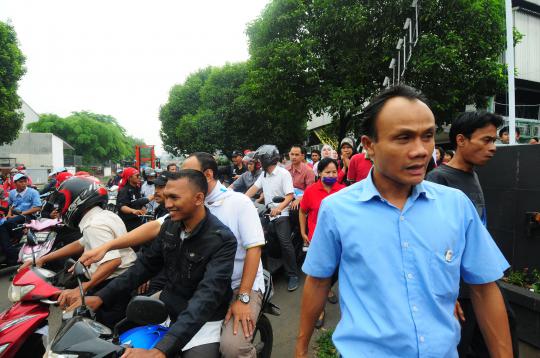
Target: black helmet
x,y
268,155
75,196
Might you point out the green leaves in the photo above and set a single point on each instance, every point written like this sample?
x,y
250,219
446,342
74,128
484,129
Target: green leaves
x,y
11,70
98,138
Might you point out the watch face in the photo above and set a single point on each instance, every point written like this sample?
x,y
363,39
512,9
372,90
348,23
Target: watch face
x,y
244,298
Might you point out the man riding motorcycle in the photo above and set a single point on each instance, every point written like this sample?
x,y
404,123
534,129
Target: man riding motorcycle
x,y
197,252
80,203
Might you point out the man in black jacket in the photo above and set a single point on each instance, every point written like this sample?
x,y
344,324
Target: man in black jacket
x,y
197,252
130,202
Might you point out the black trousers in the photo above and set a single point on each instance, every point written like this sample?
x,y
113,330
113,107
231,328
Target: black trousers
x,y
7,235
472,344
282,226
113,312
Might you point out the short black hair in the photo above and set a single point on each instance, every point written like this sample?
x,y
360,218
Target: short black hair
x,y
170,165
316,151
371,112
468,122
195,177
450,153
207,161
326,162
302,149
507,130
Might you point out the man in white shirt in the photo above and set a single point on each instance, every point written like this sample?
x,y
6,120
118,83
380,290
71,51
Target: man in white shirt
x,y
237,212
277,182
98,226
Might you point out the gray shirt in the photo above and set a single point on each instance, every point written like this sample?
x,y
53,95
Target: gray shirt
x,y
245,181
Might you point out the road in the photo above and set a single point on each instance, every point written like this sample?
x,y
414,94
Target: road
x,y
285,326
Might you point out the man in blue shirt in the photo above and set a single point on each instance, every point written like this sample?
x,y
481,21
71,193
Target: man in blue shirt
x,y
22,201
401,246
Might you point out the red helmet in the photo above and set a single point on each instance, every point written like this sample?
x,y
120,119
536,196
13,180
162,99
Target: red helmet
x,y
62,177
76,196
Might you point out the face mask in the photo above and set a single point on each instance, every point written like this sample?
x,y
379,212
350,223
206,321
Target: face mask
x,y
329,180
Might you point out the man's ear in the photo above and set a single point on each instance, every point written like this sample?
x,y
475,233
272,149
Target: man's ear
x,y
367,144
199,198
209,174
460,140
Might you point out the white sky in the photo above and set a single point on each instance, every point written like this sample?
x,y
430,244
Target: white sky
x,y
121,57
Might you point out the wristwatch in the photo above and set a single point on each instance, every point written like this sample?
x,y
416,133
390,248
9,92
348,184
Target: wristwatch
x,y
243,297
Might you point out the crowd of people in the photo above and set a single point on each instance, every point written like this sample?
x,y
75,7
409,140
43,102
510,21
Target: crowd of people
x,y
400,223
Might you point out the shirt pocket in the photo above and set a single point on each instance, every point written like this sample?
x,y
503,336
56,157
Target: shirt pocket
x,y
193,268
445,274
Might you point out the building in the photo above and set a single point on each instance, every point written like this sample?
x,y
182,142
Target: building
x,y
527,55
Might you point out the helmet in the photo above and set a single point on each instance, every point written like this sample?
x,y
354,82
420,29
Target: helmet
x,y
249,157
75,196
268,155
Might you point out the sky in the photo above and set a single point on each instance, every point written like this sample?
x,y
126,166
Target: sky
x,y
121,57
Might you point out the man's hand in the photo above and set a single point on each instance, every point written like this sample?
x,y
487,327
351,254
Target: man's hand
x,y
241,312
295,204
39,263
92,256
68,297
345,160
275,212
151,197
300,351
458,312
143,353
93,302
138,212
143,288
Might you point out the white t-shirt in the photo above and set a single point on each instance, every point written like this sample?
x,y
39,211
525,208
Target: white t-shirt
x,y
99,226
237,212
277,183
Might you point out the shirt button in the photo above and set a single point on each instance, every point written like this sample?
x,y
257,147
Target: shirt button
x,y
415,309
410,276
422,339
405,244
402,218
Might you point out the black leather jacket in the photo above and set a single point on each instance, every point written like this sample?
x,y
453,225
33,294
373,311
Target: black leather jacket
x,y
131,197
198,274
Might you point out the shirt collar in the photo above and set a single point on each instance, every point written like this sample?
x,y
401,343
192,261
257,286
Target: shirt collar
x,y
369,191
85,221
22,193
217,194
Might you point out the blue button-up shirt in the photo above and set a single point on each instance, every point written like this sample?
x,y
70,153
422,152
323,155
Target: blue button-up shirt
x,y
25,200
399,270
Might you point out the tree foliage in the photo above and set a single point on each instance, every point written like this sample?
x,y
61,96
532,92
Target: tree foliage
x,y
11,70
98,138
331,56
214,110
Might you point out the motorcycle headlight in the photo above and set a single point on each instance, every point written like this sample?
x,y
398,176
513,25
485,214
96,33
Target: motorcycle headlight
x,y
15,293
98,327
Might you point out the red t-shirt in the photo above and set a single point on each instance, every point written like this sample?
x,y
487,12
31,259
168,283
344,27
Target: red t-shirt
x,y
311,202
359,168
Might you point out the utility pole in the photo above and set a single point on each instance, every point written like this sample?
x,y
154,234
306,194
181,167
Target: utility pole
x,y
511,66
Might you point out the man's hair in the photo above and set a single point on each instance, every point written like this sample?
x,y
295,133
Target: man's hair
x,y
170,165
207,161
195,178
316,151
468,122
302,149
371,112
507,130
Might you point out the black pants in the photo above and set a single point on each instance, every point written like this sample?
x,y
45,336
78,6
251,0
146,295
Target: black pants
x,y
283,232
113,312
472,344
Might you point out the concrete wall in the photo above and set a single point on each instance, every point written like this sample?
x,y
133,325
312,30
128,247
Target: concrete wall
x,y
30,116
31,149
57,152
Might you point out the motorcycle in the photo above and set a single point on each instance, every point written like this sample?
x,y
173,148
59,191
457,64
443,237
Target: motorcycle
x,y
148,336
33,291
271,252
39,240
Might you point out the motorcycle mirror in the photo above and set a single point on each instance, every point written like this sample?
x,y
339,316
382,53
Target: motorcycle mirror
x,y
144,310
81,272
278,199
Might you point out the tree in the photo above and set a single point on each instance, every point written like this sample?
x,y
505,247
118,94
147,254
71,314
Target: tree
x,y
11,70
98,138
331,56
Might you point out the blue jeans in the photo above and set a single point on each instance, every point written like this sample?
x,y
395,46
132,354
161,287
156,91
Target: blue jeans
x,y
7,235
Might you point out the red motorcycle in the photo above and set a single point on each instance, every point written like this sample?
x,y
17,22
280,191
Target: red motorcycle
x,y
32,291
